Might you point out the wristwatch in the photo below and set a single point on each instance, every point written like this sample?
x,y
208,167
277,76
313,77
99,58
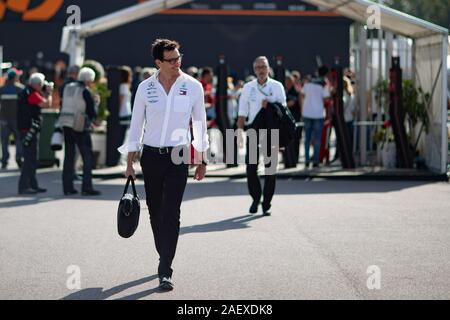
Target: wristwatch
x,y
204,163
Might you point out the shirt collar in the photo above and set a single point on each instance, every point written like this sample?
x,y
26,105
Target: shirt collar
x,y
262,85
156,75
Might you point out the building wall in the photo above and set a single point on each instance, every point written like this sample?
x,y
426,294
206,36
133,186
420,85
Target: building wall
x,y
299,38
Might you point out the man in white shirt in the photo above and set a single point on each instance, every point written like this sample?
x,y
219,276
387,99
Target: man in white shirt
x,y
256,95
314,94
164,105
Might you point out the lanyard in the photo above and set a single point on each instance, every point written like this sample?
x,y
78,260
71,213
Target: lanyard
x,y
260,87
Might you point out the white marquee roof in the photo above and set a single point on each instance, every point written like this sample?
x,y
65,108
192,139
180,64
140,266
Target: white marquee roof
x,y
391,20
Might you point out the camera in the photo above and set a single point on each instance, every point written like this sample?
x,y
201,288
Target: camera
x,y
48,86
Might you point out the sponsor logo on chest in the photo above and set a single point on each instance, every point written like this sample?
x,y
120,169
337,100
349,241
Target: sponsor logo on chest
x,y
183,89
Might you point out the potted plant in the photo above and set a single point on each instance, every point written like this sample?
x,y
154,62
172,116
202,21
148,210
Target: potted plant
x,y
414,102
386,149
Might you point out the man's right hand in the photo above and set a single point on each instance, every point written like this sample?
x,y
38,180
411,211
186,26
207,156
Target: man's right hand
x,y
240,134
240,139
130,172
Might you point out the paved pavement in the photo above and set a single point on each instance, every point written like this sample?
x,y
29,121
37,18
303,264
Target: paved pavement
x,y
319,243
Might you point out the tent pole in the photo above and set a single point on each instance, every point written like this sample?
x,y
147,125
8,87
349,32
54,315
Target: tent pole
x,y
444,150
362,91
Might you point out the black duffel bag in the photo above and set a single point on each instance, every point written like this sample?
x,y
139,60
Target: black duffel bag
x,y
128,212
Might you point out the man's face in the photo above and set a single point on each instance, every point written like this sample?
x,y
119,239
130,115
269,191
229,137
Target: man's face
x,y
288,82
171,63
37,87
207,78
261,68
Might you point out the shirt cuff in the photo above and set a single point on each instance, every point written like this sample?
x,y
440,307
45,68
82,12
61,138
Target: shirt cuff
x,y
201,146
130,147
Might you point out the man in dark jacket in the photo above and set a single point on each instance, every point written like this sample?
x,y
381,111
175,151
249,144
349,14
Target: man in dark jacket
x,y
9,97
31,100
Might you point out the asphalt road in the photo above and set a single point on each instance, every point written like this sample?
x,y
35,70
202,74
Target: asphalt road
x,y
320,243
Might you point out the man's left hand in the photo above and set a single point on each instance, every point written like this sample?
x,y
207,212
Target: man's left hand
x,y
264,104
200,172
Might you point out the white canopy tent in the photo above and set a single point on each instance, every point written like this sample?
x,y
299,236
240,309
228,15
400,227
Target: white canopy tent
x,y
430,55
430,50
73,37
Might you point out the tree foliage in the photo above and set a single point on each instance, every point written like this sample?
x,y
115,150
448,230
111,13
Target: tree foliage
x,y
436,11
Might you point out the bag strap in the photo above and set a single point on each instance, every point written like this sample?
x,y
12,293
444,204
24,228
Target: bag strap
x,y
130,178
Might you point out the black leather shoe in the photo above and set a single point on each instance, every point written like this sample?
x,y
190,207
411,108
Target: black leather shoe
x,y
166,284
71,193
91,193
4,166
41,190
254,207
28,191
266,210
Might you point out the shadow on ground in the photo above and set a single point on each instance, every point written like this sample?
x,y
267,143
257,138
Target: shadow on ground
x,y
101,294
195,190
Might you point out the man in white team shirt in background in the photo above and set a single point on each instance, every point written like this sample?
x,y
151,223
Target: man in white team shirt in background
x,y
256,95
314,94
164,105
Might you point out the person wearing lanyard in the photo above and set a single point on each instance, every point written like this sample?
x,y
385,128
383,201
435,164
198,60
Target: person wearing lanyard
x,y
164,105
256,95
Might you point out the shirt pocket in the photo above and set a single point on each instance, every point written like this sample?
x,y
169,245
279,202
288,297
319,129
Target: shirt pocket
x,y
253,103
181,104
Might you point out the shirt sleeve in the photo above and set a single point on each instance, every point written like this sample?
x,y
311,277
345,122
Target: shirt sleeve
x,y
282,95
244,107
90,105
200,141
123,89
136,132
35,98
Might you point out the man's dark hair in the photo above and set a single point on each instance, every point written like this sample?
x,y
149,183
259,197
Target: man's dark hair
x,y
322,71
206,71
125,74
161,45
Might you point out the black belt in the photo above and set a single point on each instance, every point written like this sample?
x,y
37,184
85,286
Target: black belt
x,y
162,150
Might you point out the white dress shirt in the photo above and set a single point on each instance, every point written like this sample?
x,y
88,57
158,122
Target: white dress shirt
x,y
250,102
162,120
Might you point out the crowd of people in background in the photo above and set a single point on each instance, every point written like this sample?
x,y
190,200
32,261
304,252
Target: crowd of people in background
x,y
308,98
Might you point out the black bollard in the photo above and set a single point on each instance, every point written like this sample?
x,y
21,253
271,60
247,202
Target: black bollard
x,y
397,115
344,142
113,127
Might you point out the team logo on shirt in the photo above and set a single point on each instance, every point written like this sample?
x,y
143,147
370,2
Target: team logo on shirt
x,y
183,89
152,95
151,89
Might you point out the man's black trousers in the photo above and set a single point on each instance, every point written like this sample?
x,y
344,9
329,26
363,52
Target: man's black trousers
x,y
27,178
253,183
165,183
84,143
